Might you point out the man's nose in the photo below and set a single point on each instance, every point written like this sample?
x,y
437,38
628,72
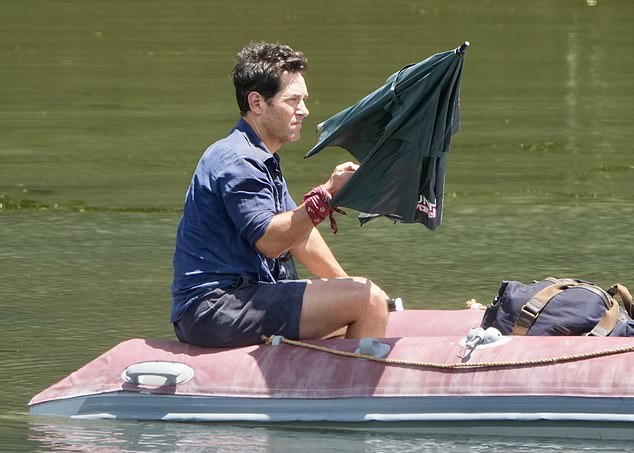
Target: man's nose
x,y
303,109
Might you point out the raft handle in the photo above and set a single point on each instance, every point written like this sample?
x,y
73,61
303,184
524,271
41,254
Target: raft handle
x,y
157,374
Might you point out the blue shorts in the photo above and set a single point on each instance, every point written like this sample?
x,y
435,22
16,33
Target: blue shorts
x,y
233,317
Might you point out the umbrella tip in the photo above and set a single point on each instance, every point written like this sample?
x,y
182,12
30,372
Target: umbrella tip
x,y
461,50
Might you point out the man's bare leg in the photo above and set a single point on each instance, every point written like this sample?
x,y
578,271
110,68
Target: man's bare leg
x,y
331,304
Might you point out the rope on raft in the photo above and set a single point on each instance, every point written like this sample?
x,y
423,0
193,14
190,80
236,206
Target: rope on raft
x,y
454,366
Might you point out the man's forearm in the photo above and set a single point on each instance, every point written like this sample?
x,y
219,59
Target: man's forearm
x,y
285,232
315,255
289,229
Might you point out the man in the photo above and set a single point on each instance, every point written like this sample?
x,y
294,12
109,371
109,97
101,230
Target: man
x,y
239,223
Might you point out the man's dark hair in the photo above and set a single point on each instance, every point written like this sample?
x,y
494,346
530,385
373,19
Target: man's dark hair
x,y
259,67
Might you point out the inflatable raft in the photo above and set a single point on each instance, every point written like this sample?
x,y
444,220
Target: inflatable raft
x,y
434,373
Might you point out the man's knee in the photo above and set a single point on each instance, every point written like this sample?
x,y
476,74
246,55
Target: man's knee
x,y
372,312
366,283
374,296
355,302
380,299
378,294
375,293
359,295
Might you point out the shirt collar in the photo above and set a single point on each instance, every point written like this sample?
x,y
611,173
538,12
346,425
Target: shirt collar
x,y
245,128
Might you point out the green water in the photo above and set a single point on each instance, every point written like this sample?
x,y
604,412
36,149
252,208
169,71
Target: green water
x,y
105,108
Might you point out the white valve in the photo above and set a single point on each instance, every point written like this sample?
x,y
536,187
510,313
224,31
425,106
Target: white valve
x,y
483,338
372,347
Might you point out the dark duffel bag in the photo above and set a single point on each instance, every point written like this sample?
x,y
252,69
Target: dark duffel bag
x,y
566,306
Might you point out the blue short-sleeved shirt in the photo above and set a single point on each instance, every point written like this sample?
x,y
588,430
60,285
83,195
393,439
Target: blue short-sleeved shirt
x,y
236,190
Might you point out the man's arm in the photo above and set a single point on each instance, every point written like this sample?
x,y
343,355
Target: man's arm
x,y
292,229
285,231
315,255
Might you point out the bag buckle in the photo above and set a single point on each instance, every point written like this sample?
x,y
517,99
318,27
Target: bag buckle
x,y
528,314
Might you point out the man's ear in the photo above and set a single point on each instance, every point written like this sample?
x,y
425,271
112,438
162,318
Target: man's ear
x,y
256,102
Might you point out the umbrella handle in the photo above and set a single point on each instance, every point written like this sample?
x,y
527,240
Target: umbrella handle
x,y
463,48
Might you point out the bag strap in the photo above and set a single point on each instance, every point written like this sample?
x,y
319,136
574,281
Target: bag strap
x,y
626,297
531,310
608,321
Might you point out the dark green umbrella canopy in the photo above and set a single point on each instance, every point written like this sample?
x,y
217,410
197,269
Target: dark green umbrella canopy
x,y
400,134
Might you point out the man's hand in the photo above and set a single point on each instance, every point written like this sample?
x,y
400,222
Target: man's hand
x,y
339,177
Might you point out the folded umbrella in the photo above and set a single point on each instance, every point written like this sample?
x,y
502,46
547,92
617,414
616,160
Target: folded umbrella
x,y
400,134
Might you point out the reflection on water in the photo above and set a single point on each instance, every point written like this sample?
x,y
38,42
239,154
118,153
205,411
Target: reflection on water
x,y
105,108
122,436
125,436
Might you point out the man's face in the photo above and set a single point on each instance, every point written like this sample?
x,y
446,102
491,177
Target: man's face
x,y
283,115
